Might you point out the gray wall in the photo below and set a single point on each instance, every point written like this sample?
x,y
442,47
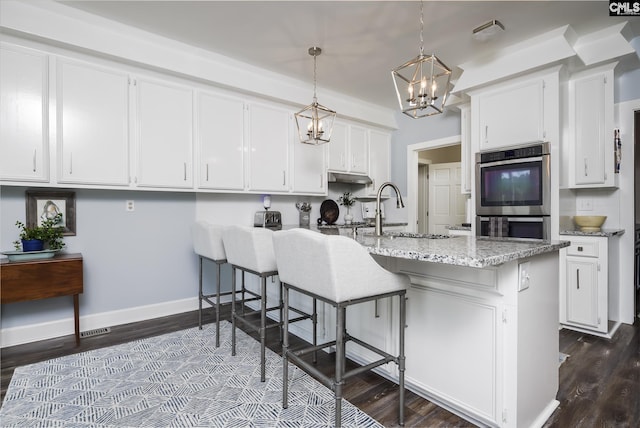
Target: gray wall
x,y
130,258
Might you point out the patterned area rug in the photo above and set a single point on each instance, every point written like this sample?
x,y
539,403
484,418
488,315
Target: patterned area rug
x,y
176,380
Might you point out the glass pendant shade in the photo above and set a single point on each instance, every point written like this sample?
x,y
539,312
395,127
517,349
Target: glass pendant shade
x,y
422,85
315,123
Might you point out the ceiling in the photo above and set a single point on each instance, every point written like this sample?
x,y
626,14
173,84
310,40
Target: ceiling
x,y
361,40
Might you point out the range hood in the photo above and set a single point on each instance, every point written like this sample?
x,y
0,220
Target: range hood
x,y
345,177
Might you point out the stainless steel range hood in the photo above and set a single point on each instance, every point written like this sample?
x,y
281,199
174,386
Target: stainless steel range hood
x,y
345,177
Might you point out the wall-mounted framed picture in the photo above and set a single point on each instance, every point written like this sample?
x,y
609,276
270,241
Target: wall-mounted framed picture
x,y
44,204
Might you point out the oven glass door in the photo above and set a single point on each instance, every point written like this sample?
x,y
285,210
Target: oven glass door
x,y
518,187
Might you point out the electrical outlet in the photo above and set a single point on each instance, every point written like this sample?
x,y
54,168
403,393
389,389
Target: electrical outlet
x,y
585,204
524,270
130,206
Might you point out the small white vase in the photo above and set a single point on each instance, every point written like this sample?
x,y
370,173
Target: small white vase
x,y
348,218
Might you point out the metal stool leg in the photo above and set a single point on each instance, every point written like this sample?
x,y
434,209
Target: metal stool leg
x,y
401,356
340,361
217,307
314,323
263,327
285,350
233,310
200,297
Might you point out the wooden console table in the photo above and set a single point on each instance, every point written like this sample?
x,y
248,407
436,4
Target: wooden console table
x,y
42,279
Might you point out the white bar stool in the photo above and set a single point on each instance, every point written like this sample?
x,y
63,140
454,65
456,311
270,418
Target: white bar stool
x,y
250,249
348,276
207,244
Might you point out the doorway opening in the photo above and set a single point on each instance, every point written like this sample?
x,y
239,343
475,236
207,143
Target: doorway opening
x,y
434,183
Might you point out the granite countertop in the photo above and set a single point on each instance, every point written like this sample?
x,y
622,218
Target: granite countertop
x,y
458,227
603,232
357,225
470,251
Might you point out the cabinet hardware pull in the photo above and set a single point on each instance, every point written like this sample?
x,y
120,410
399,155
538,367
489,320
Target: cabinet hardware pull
x,y
185,170
70,163
579,248
377,314
207,172
486,133
578,278
34,160
585,167
321,186
284,178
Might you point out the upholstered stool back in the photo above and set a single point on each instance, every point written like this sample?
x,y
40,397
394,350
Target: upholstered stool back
x,y
207,240
334,267
250,248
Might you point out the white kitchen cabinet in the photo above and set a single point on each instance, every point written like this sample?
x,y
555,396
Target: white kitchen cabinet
x,y
584,284
379,169
24,126
309,168
92,110
591,139
467,161
164,125
348,149
220,142
511,114
270,130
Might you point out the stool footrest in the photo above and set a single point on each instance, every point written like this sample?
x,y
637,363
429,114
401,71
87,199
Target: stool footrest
x,y
324,379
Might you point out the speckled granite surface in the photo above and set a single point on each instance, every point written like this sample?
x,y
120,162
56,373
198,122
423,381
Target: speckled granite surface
x,y
604,232
458,250
459,227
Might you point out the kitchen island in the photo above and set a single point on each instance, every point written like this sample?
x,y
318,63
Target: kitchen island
x,y
482,324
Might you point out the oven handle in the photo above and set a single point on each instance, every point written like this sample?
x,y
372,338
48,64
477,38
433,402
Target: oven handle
x,y
517,219
512,161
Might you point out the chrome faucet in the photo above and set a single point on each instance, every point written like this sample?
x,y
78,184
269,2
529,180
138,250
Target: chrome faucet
x,y
399,204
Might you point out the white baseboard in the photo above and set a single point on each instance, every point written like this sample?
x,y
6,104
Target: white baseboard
x,y
32,333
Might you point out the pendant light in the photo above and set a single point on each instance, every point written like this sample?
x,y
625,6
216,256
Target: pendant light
x,y
315,122
422,84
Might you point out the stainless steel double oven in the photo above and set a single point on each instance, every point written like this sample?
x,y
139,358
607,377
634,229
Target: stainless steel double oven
x,y
513,189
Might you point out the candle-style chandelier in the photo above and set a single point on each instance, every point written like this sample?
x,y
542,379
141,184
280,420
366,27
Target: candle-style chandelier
x,y
422,84
315,122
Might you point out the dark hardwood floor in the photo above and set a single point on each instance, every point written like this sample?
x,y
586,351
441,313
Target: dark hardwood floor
x,y
599,382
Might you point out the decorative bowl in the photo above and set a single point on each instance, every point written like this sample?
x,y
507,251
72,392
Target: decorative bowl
x,y
589,223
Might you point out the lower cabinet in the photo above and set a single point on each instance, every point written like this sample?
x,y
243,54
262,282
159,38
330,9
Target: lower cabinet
x,y
584,284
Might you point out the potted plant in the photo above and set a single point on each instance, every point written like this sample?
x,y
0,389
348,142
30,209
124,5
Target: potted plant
x,y
347,201
36,238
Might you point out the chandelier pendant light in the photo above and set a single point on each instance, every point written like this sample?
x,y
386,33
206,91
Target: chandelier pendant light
x,y
315,122
422,84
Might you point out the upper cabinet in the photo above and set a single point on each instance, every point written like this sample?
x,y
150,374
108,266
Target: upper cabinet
x,y
309,167
510,114
348,148
270,131
379,169
164,124
591,128
220,142
92,110
24,126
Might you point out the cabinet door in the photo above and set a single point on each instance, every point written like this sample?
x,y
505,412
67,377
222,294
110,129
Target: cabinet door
x,y
220,142
512,115
309,168
379,143
582,293
24,143
92,124
164,134
591,129
358,150
338,147
269,138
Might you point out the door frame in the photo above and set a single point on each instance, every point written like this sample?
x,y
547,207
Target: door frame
x,y
412,173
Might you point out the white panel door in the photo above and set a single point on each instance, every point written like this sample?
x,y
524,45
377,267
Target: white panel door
x,y
24,143
446,202
221,145
582,291
164,134
269,137
92,124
